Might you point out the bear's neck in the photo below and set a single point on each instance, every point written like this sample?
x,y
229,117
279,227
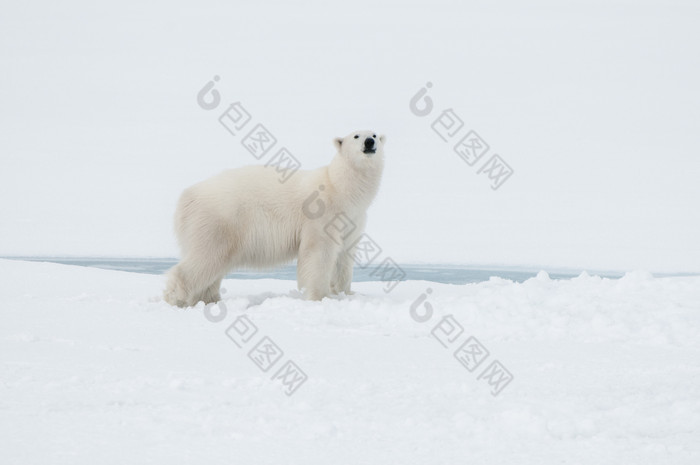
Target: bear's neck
x,y
357,185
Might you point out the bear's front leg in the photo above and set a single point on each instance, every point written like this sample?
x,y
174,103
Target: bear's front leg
x,y
342,276
315,265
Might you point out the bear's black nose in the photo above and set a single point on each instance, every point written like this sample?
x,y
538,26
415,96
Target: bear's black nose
x,y
369,143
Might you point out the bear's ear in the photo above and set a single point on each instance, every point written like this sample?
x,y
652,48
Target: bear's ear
x,y
382,138
338,141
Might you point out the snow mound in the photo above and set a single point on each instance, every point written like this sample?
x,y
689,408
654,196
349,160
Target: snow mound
x,y
96,368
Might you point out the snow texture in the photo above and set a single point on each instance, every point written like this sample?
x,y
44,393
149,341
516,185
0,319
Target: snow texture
x,y
96,368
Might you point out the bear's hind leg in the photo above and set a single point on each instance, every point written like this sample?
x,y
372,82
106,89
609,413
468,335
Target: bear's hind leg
x,y
211,294
202,278
198,275
209,250
175,290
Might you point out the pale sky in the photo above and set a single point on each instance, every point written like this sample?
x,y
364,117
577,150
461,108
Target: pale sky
x,y
594,105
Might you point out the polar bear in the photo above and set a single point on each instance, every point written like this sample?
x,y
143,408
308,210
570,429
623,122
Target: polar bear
x,y
248,218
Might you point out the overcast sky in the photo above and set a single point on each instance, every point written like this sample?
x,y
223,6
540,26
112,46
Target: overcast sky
x,y
593,105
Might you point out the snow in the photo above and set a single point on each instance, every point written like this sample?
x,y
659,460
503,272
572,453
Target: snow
x,y
96,368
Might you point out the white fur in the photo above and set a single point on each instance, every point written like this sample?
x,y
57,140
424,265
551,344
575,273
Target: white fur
x,y
247,218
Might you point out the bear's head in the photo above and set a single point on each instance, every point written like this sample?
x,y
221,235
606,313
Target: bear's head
x,y
361,147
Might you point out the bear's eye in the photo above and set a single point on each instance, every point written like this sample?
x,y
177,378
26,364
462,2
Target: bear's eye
x,y
356,136
374,135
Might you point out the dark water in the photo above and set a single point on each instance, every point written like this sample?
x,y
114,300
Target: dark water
x,y
449,274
